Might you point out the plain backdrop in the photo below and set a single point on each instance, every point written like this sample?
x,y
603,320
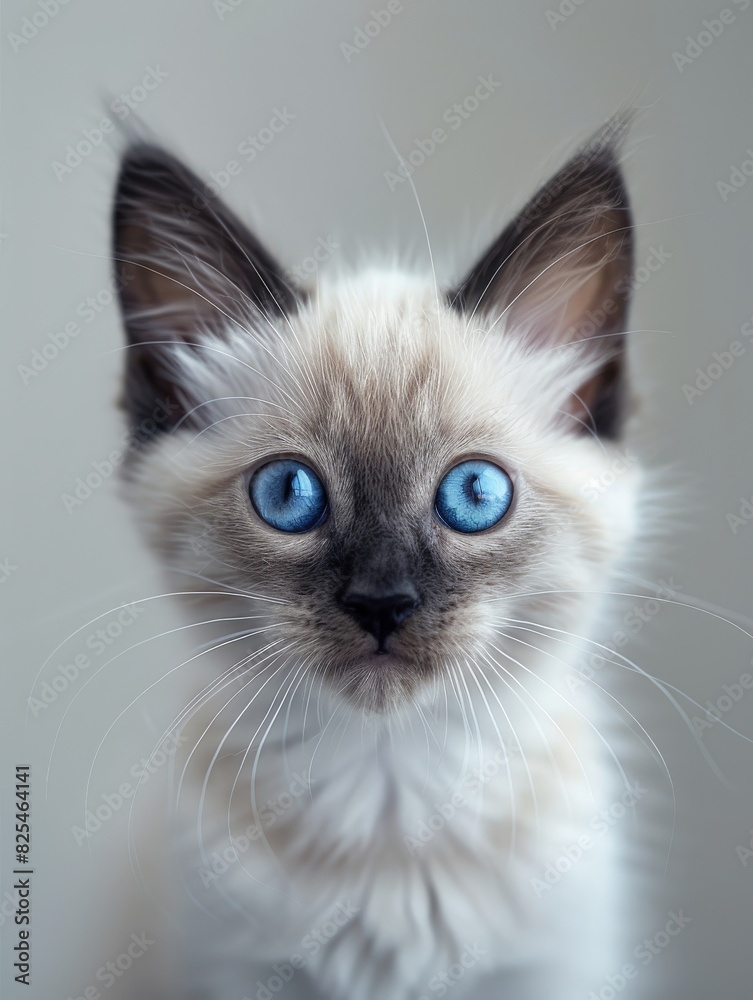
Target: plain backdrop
x,y
218,74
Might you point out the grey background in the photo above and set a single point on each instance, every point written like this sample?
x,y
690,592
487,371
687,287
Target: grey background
x,y
323,177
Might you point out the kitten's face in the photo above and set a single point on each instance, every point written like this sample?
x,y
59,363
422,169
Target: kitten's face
x,y
383,560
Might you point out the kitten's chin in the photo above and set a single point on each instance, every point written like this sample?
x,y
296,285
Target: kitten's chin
x,y
379,683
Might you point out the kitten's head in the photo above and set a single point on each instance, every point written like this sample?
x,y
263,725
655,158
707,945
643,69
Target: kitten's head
x,y
395,472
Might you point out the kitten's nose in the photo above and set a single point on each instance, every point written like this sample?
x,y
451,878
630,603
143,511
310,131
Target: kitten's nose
x,y
380,613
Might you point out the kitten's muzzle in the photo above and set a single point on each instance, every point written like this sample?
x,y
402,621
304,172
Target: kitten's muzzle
x,y
380,613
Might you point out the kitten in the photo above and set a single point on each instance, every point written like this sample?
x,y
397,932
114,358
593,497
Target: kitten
x,y
373,488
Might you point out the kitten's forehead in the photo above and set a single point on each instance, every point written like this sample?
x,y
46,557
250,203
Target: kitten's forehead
x,y
395,371
380,383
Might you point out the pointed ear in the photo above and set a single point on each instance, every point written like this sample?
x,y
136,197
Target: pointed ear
x,y
185,267
561,273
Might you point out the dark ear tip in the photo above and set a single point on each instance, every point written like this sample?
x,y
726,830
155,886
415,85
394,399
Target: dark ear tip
x,y
603,152
137,160
150,181
598,164
148,170
611,137
144,155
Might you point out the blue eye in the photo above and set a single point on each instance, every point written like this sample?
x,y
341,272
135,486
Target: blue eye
x,y
473,496
288,495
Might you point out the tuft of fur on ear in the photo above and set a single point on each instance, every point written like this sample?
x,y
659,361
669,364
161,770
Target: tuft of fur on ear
x,y
187,271
561,273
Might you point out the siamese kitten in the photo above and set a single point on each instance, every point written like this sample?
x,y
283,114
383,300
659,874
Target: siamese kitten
x,y
371,491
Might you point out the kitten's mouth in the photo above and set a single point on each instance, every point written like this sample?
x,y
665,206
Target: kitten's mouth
x,y
380,677
385,651
379,656
376,659
385,658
